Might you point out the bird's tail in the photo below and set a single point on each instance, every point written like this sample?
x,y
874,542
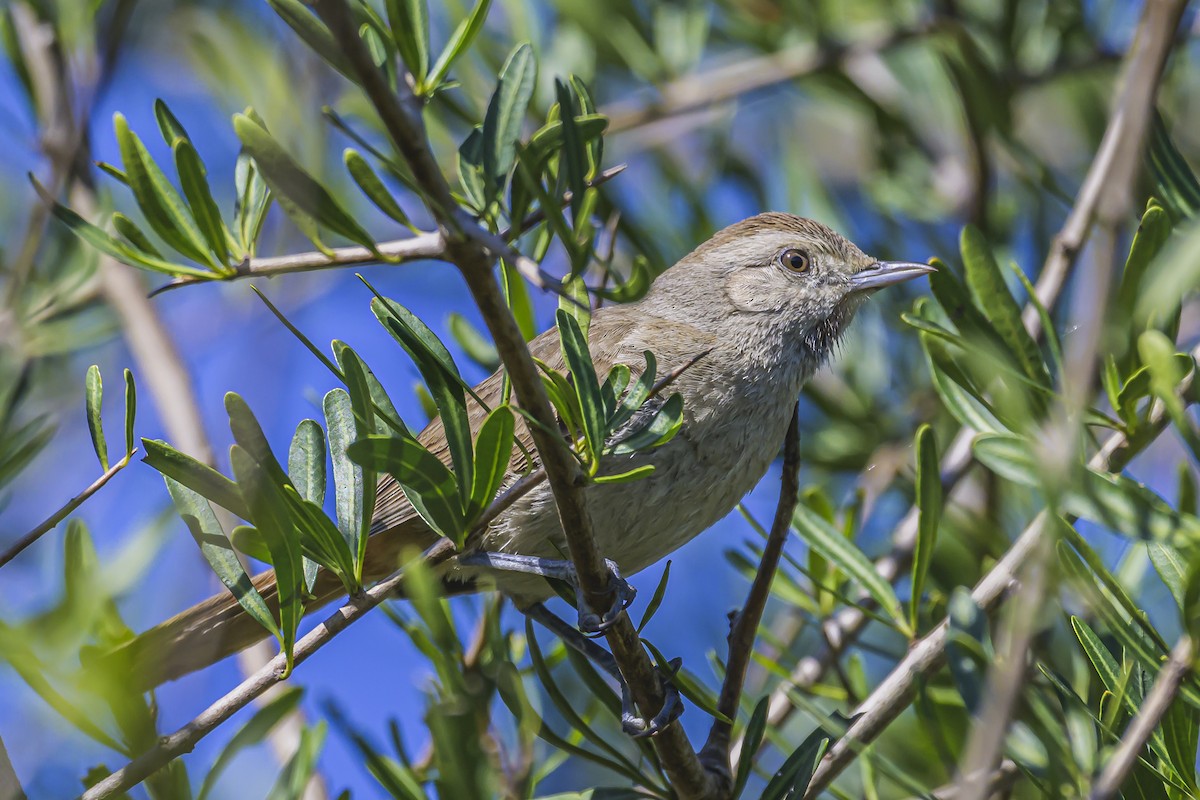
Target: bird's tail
x,y
219,627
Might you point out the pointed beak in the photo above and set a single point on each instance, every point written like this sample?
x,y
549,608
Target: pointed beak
x,y
885,273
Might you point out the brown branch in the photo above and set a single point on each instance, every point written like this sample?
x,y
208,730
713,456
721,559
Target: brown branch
x,y
58,516
467,247
1142,726
745,74
744,630
10,785
424,246
184,740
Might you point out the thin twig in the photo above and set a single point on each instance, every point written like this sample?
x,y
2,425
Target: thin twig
x,y
744,631
746,74
424,246
184,740
67,508
1142,726
468,248
10,785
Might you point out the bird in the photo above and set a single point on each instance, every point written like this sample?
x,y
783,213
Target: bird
x,y
752,313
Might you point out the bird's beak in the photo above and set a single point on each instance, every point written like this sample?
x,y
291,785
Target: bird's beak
x,y
885,273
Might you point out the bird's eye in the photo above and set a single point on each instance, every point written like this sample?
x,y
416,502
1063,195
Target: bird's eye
x,y
795,260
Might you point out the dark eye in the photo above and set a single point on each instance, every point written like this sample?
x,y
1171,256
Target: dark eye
x,y
795,260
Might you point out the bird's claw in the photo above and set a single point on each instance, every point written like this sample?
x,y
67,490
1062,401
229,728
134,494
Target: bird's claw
x,y
623,591
639,727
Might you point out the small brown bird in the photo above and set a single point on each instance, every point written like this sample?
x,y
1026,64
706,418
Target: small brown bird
x,y
765,300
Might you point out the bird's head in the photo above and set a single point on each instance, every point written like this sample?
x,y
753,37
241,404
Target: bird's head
x,y
777,272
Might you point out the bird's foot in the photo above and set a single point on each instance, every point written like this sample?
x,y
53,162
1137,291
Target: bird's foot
x,y
638,726
590,622
623,593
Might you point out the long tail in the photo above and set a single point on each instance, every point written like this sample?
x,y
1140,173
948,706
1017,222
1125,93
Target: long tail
x,y
218,627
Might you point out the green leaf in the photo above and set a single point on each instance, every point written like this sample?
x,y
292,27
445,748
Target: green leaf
x,y
409,21
460,40
426,481
170,126
348,484
306,200
493,451
574,158
195,475
637,394
549,138
583,377
364,422
793,777
162,206
269,513
957,392
756,728
130,411
372,186
1171,566
254,198
661,428
505,115
194,181
296,773
202,523
94,396
993,297
1180,729
256,729
840,551
660,591
306,461
441,376
134,235
314,33
929,505
477,346
1167,371
112,247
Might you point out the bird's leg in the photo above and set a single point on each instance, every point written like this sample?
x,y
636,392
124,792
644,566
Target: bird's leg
x,y
589,621
631,723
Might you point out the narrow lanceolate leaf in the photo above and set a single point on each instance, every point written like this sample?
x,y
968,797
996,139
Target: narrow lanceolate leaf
x,y
269,513
162,206
792,778
426,481
348,485
574,157
195,475
314,33
993,297
130,411
441,376
94,394
295,187
194,181
493,451
460,40
372,186
306,461
134,235
506,113
106,243
756,729
168,124
840,551
202,523
1180,729
1171,566
409,21
661,428
364,425
583,376
929,504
